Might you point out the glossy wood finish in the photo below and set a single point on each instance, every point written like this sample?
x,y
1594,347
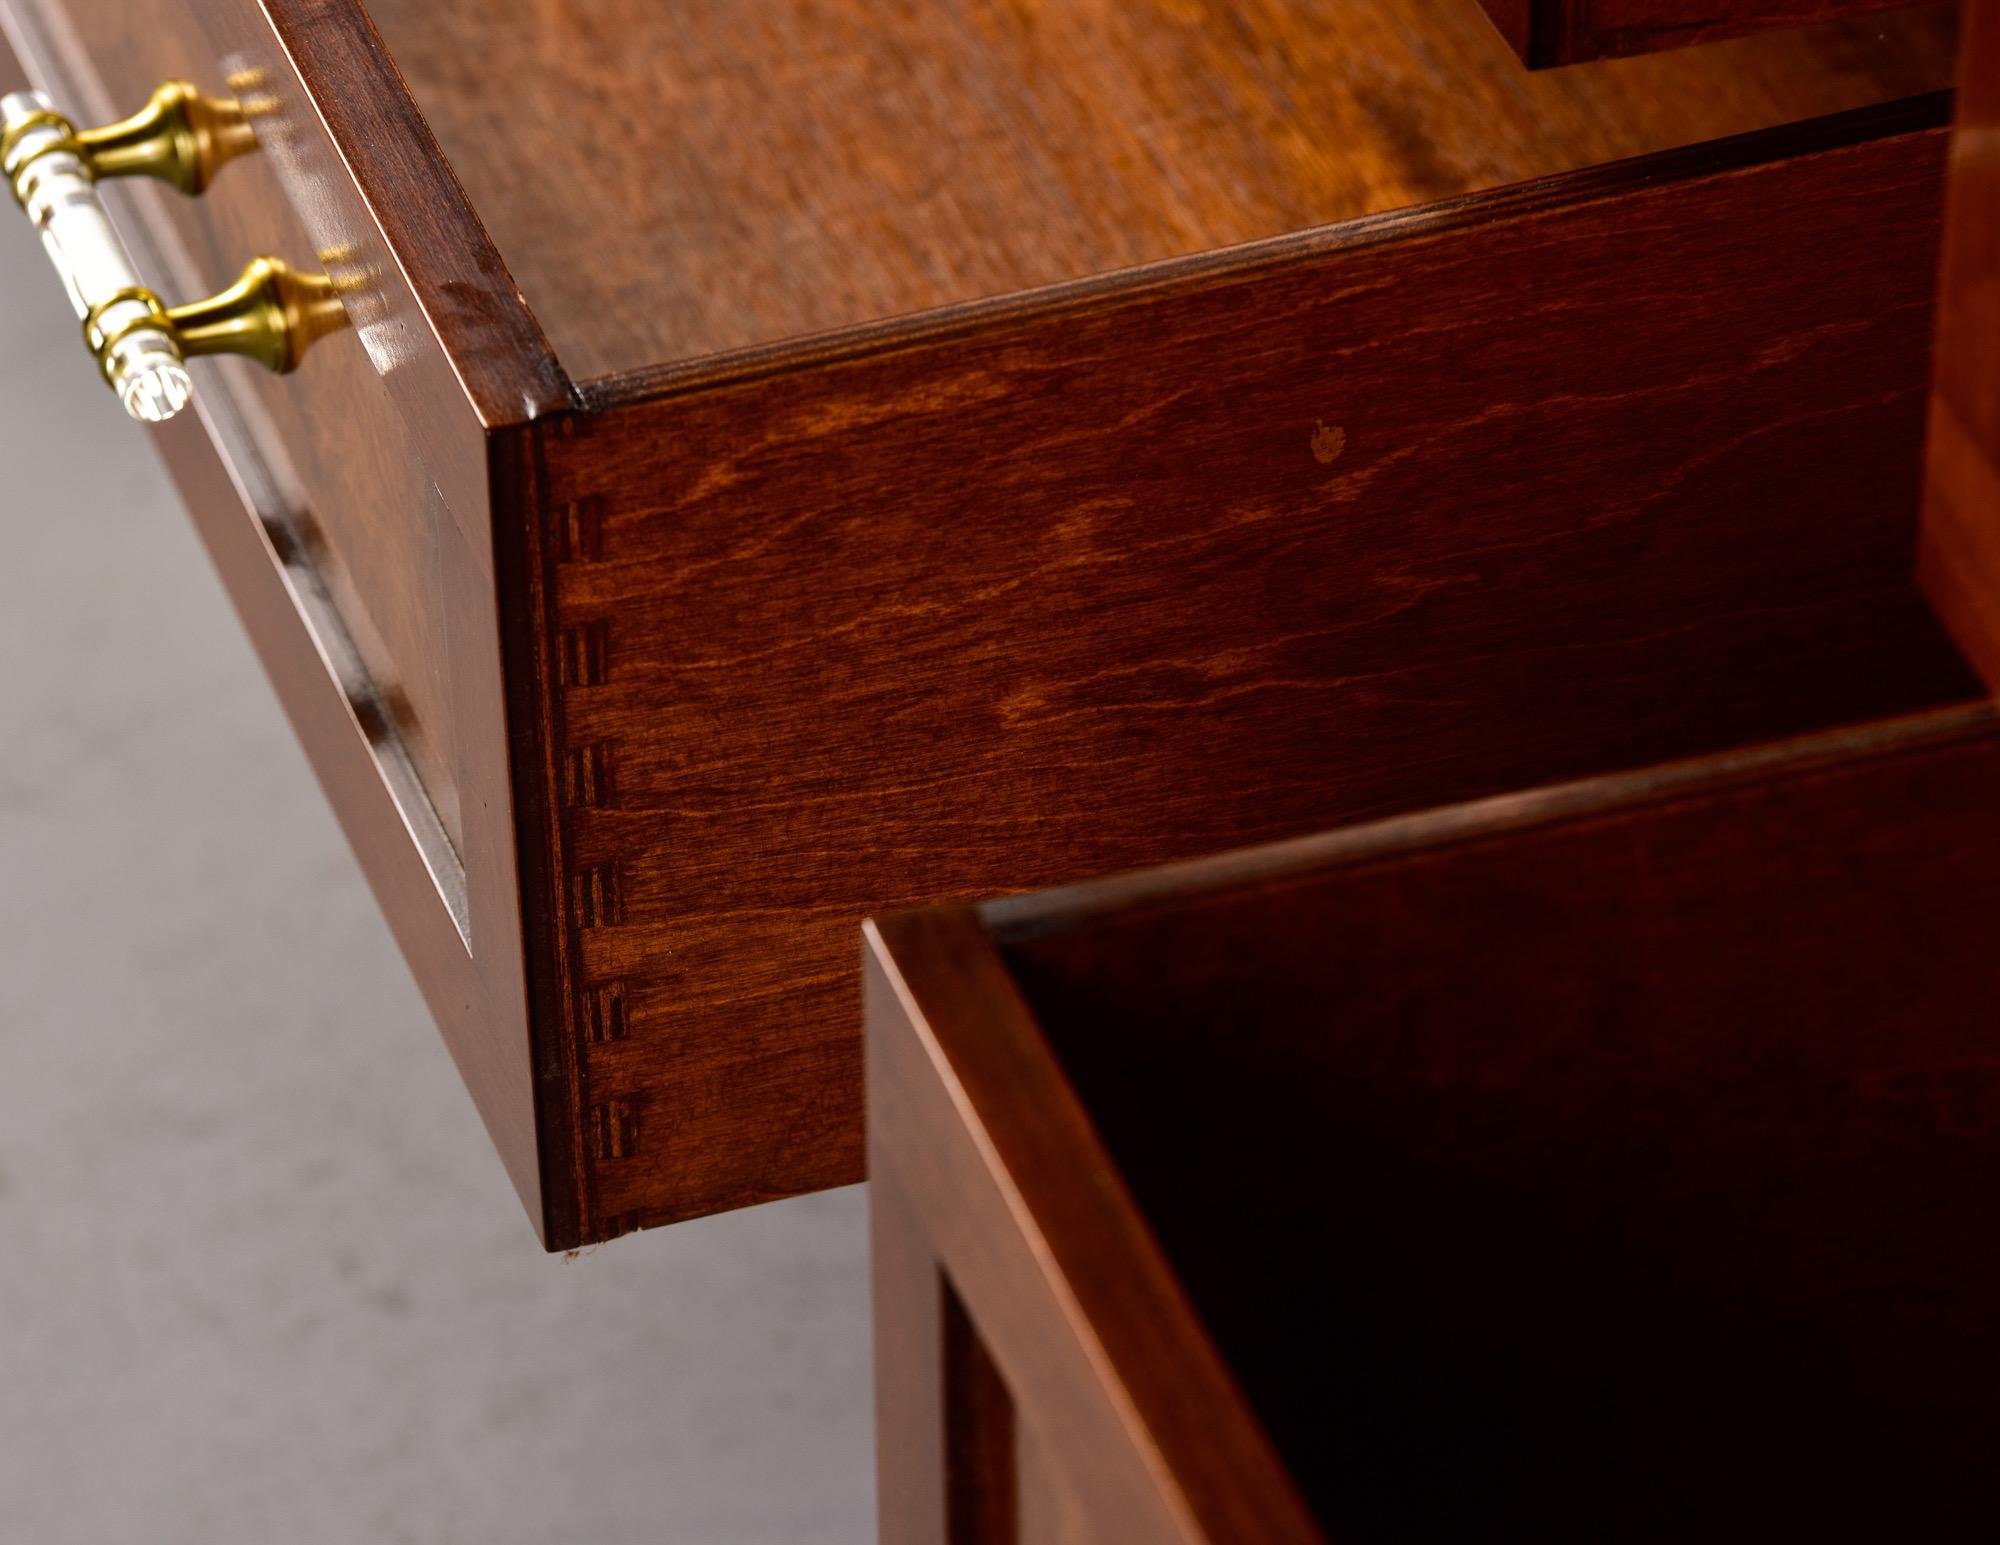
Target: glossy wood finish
x,y
1960,560
349,507
1229,551
742,173
1609,1161
1546,32
700,664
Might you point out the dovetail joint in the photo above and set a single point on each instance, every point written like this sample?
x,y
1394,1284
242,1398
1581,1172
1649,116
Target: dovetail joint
x,y
587,777
614,1129
595,897
604,1013
580,531
585,654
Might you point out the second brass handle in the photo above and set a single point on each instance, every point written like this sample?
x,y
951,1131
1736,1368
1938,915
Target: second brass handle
x,y
272,314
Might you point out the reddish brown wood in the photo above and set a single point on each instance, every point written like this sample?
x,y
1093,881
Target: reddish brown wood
x,y
982,1498
1049,1515
1611,1161
1080,584
910,1447
1004,1185
744,173
698,668
1546,32
1960,559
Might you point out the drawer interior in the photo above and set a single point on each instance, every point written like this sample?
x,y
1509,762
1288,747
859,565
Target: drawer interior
x,y
1607,1162
673,181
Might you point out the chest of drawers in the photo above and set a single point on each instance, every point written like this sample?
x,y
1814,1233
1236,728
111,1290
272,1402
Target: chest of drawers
x,y
789,462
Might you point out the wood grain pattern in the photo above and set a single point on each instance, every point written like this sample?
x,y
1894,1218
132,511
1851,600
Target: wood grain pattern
x,y
1067,588
1644,1132
701,665
739,174
1960,556
1549,32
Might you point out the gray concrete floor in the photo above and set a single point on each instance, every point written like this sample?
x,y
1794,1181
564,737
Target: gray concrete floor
x,y
261,1276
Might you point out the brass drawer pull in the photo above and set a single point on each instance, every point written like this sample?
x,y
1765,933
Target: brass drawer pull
x,y
179,136
272,314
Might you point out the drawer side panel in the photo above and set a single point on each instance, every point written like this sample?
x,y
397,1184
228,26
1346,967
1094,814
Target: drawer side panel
x,y
1583,477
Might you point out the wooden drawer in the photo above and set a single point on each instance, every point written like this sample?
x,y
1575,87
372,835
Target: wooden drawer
x,y
1546,32
1613,1161
911,503
349,506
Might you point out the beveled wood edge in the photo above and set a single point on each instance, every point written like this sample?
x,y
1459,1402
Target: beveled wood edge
x,y
1958,549
1247,262
1955,547
1010,919
943,1011
463,288
555,1040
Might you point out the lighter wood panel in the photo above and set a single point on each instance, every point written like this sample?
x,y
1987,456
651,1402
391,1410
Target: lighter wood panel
x,y
1961,547
672,180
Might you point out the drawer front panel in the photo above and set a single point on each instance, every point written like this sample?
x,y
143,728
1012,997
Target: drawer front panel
x,y
357,481
349,504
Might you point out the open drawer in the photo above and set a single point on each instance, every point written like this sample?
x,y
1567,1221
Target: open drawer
x,y
789,461
1610,1161
1546,32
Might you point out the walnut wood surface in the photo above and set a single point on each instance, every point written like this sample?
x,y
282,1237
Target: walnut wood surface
x,y
1960,559
1546,32
1229,552
670,181
1610,1161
